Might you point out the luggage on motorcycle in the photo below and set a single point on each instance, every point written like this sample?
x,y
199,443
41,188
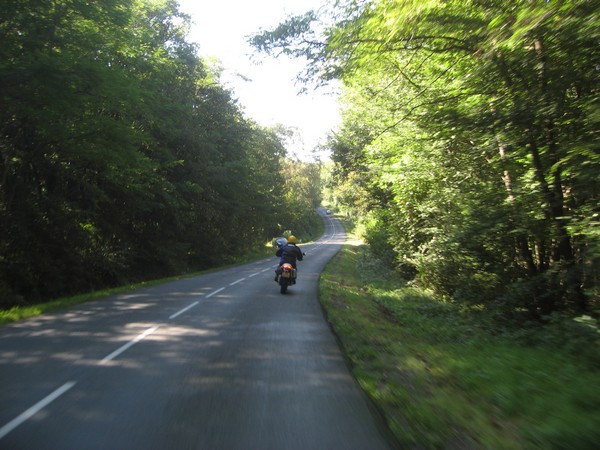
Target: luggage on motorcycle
x,y
287,276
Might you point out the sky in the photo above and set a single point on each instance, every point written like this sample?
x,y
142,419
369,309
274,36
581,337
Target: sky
x,y
267,92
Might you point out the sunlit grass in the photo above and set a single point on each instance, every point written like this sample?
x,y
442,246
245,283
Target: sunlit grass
x,y
443,381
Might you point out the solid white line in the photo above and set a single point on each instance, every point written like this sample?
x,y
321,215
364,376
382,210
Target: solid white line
x,y
35,409
183,310
121,349
214,292
236,282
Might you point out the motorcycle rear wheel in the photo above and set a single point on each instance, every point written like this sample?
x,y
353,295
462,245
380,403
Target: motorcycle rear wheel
x,y
283,283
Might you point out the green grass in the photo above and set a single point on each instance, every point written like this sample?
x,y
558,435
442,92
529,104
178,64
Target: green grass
x,y
442,380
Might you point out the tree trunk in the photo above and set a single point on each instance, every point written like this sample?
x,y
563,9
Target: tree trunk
x,y
567,278
521,240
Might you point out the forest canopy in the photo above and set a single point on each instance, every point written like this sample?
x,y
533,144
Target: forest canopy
x,y
122,156
469,147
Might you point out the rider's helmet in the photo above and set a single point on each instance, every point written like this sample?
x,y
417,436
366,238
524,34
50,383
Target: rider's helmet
x,y
292,239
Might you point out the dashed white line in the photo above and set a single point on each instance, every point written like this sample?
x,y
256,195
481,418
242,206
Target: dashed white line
x,y
178,313
214,292
236,282
131,343
35,409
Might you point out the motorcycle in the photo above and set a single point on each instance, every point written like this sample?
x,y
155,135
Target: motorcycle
x,y
287,277
286,274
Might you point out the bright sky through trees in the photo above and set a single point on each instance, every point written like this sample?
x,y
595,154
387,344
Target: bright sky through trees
x,y
265,87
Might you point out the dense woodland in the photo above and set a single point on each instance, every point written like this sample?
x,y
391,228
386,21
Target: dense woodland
x,y
470,142
122,157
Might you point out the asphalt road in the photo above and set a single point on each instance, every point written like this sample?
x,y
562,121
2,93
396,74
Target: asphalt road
x,y
218,361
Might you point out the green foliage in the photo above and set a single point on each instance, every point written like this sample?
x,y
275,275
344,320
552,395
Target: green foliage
x,y
301,192
444,377
122,158
469,143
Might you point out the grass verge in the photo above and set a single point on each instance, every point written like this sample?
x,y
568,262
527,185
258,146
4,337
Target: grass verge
x,y
442,381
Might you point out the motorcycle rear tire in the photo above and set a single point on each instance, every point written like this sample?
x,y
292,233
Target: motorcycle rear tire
x,y
283,282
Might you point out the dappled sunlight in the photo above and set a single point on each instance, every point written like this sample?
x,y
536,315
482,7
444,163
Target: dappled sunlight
x,y
169,332
132,295
354,242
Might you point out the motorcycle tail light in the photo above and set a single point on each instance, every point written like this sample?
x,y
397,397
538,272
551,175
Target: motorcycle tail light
x,y
287,266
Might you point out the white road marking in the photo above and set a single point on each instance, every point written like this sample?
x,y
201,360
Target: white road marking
x,y
35,409
236,282
123,348
183,310
253,274
214,292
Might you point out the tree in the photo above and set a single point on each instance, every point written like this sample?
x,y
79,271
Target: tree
x,y
471,127
122,156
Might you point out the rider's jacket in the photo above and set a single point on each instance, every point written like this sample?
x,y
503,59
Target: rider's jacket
x,y
289,254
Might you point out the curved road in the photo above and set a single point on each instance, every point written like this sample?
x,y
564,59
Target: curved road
x,y
218,361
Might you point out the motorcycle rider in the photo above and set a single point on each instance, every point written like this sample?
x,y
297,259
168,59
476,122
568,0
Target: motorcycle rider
x,y
288,253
